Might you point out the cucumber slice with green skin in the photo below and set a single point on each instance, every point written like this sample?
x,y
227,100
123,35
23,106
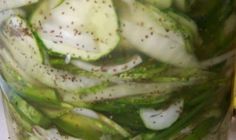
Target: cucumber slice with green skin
x,y
147,71
40,96
81,29
102,118
20,42
26,111
42,49
16,32
161,4
56,111
42,10
114,126
23,123
4,15
85,127
147,29
9,64
25,87
29,112
9,4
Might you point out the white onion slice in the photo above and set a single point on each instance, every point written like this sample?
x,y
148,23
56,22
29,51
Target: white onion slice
x,y
132,89
116,69
163,118
86,112
218,59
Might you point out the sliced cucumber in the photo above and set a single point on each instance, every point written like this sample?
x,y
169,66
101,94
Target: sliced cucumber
x,y
17,36
85,127
42,10
155,33
22,122
91,114
82,29
9,4
148,70
56,111
20,42
12,71
31,91
114,126
26,111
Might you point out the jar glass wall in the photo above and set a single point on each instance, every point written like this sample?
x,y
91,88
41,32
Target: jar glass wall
x,y
117,69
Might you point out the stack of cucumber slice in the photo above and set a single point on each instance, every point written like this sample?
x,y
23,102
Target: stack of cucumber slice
x,y
113,70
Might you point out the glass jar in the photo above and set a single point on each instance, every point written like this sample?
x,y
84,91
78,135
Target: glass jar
x,y
117,70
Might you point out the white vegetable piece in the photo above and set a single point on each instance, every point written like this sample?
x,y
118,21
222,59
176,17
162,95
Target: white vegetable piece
x,y
163,118
9,4
7,59
86,112
132,89
218,59
80,28
22,45
115,69
155,34
4,15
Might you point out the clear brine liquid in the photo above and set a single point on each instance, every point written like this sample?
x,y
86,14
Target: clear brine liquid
x,y
117,70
